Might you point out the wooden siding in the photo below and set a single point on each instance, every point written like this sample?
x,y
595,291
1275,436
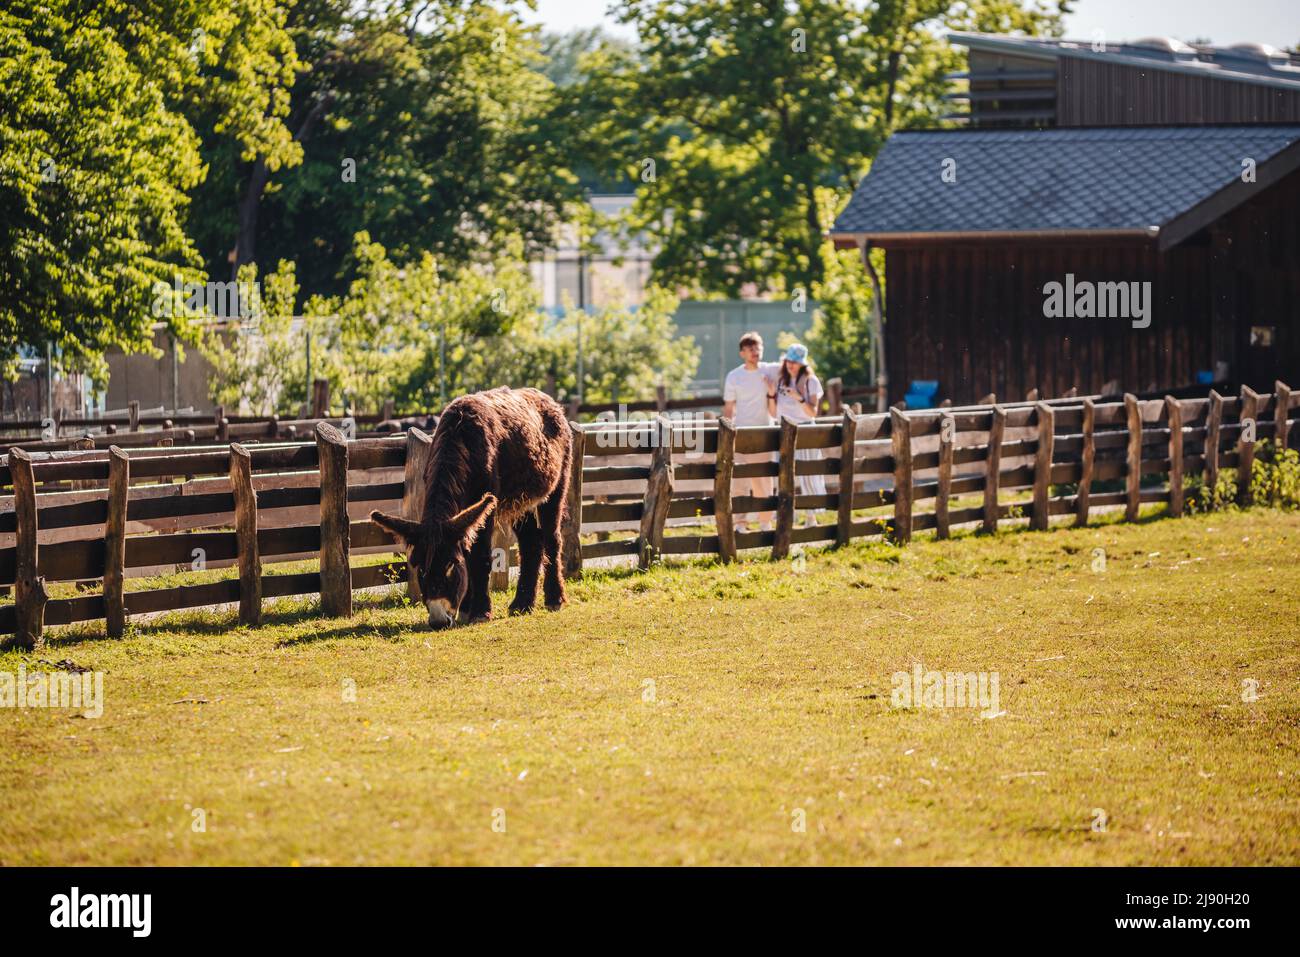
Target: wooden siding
x,y
971,315
1092,93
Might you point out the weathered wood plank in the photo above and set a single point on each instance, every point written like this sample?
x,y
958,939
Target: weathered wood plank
x,y
993,469
30,594
419,446
848,447
1281,413
1246,442
571,530
1087,456
723,517
1213,442
119,484
335,539
785,489
901,437
658,496
1039,518
1133,458
1176,493
250,557
943,490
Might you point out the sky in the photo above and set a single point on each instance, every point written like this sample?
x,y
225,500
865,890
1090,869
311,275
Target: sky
x,y
1221,21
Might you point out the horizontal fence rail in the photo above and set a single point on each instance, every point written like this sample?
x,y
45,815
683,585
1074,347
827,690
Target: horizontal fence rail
x,y
638,491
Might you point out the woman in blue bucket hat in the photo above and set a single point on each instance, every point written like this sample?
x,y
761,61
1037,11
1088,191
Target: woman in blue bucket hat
x,y
798,396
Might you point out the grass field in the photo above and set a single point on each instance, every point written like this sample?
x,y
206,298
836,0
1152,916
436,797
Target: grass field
x,y
700,714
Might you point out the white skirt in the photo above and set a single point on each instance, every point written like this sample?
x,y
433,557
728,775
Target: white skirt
x,y
810,484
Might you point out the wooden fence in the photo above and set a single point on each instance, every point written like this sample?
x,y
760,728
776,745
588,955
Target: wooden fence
x,y
86,516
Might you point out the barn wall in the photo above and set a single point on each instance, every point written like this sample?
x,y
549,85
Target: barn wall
x,y
1093,93
971,315
1257,250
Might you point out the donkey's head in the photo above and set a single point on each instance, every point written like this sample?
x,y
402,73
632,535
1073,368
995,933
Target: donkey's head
x,y
437,556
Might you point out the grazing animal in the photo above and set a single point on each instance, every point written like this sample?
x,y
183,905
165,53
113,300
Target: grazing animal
x,y
498,456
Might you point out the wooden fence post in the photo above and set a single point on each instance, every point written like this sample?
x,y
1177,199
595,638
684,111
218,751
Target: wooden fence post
x,y
1082,500
1174,411
1282,413
119,484
418,447
661,397
250,557
1246,449
993,468
901,440
723,517
320,398
947,437
133,415
848,449
1213,427
571,532
1133,477
835,396
786,486
502,536
658,494
1040,518
30,594
335,537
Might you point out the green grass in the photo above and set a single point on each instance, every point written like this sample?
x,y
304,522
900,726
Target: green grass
x,y
1122,691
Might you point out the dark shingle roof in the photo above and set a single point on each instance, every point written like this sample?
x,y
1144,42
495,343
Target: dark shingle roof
x,y
1091,179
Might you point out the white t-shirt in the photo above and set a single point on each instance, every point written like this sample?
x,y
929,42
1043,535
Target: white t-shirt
x,y
788,398
749,391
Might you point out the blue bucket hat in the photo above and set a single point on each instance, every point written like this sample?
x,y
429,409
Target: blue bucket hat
x,y
797,352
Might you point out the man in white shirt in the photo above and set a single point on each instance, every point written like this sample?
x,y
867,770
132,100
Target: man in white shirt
x,y
745,401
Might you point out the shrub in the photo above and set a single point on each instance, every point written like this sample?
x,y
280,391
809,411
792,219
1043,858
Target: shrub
x,y
1275,476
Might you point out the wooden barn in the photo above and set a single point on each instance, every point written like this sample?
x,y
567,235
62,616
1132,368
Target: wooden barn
x,y
1119,219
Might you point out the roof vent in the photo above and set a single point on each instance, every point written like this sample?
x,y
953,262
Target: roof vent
x,y
1174,49
1259,52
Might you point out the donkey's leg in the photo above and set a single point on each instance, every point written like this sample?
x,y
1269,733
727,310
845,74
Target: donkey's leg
x,y
529,537
478,597
549,514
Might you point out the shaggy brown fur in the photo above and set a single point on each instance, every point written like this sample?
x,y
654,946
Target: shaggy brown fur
x,y
498,456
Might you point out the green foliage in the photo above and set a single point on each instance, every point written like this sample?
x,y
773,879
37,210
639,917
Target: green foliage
x,y
420,335
1275,476
842,335
419,123
747,108
628,352
259,365
96,156
1201,497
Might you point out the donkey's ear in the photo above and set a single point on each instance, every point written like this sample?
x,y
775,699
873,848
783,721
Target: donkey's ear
x,y
469,522
404,530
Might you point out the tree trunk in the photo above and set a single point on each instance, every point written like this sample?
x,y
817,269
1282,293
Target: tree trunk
x,y
250,205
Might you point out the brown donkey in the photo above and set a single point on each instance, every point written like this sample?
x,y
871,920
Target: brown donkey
x,y
498,456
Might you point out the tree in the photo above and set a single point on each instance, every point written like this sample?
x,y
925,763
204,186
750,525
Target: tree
x,y
96,157
734,112
259,363
418,122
